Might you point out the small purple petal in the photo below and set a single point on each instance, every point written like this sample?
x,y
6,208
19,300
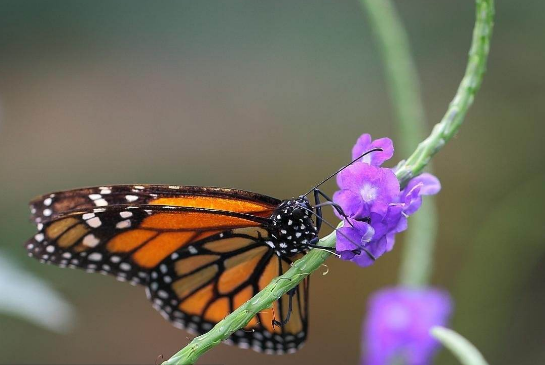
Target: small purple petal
x,y
430,184
376,248
365,144
350,202
411,196
412,200
353,235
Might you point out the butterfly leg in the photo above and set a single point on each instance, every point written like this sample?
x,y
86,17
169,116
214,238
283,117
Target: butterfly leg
x,y
283,322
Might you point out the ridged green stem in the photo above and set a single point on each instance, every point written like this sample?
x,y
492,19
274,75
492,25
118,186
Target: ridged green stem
x,y
441,133
453,118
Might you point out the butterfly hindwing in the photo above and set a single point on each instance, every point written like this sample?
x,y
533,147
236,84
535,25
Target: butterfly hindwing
x,y
196,287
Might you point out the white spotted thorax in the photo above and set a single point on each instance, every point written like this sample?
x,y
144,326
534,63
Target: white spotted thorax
x,y
294,227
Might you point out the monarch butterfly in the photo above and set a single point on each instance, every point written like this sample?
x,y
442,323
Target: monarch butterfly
x,y
201,252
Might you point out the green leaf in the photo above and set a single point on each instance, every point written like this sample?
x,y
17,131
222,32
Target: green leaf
x,y
459,346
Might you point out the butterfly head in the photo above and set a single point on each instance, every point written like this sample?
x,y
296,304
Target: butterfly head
x,y
293,225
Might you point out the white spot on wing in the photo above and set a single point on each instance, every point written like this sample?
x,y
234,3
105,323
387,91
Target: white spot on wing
x,y
90,240
95,256
131,198
123,224
48,201
125,214
94,222
88,216
101,202
47,212
95,196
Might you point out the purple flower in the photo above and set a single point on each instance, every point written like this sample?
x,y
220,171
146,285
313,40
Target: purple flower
x,y
398,324
371,194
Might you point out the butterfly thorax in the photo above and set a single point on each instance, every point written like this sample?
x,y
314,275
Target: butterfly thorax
x,y
292,227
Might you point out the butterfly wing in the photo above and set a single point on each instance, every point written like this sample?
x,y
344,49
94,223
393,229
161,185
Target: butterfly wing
x,y
199,263
195,289
128,242
49,206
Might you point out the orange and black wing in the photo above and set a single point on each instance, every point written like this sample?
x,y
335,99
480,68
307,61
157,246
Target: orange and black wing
x,y
128,241
49,206
198,286
198,263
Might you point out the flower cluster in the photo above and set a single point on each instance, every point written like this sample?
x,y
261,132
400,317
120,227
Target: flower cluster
x,y
398,325
375,206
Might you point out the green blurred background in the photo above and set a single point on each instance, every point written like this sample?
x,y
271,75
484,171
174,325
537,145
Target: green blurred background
x,y
269,96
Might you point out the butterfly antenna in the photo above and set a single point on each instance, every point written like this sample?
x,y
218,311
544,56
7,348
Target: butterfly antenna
x,y
342,168
371,256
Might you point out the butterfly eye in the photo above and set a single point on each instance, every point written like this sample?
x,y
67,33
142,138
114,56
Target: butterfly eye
x,y
298,213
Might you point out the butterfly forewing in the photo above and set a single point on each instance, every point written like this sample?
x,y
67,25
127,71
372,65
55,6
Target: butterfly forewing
x,y
127,242
47,207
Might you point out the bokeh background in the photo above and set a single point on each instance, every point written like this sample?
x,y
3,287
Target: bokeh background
x,y
269,96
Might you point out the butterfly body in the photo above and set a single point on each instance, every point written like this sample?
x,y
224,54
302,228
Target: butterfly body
x,y
200,252
293,226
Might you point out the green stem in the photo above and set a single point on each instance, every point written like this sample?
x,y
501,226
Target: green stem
x,y
412,167
403,85
453,118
